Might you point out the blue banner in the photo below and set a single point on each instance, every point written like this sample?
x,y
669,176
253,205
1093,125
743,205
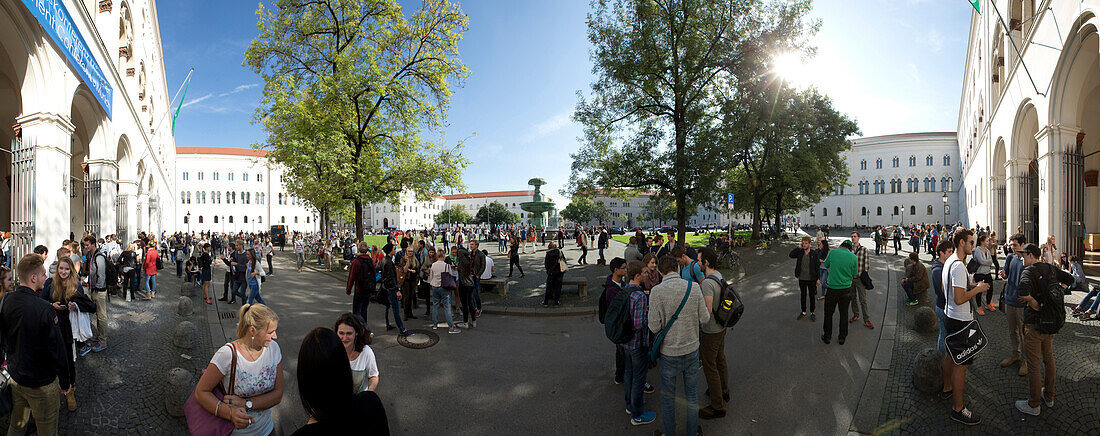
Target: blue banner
x,y
57,22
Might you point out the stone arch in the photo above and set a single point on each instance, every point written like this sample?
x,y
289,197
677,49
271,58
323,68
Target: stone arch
x,y
1000,206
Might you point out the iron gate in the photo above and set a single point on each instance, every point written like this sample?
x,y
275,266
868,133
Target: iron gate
x,y
22,202
1026,202
1002,214
92,206
120,219
1074,239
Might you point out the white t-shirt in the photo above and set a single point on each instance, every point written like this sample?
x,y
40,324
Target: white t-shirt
x,y
363,368
488,274
954,273
438,268
253,378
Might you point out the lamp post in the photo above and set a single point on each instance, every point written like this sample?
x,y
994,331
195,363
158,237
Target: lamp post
x,y
188,221
944,207
902,223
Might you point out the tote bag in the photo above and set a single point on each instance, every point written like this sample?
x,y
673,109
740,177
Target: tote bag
x,y
82,325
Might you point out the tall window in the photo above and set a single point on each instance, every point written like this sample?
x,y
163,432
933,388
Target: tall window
x,y
282,220
930,209
246,219
215,175
838,212
183,198
200,219
896,210
946,160
863,164
896,160
824,211
185,175
200,175
878,164
878,211
231,219
912,210
863,211
943,183
928,161
912,161
259,177
244,177
215,219
229,176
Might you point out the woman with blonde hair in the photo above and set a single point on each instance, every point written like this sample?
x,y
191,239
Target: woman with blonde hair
x,y
65,294
250,372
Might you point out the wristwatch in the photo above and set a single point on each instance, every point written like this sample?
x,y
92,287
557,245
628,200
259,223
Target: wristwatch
x,y
248,404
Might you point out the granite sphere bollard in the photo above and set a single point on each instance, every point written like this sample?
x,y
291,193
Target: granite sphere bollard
x,y
928,371
187,289
925,321
185,335
185,307
179,388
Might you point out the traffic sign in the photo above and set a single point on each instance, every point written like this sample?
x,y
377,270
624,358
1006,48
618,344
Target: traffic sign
x,y
729,198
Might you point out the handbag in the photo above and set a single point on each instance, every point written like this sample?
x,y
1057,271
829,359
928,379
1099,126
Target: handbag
x,y
201,422
562,266
655,348
966,343
447,281
865,279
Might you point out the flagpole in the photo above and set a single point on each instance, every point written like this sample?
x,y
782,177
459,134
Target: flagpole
x,y
185,80
1008,35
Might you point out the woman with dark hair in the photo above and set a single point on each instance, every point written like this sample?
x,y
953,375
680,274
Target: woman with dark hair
x,y
254,274
323,378
356,338
822,253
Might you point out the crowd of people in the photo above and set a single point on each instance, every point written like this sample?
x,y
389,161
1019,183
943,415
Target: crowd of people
x,y
964,268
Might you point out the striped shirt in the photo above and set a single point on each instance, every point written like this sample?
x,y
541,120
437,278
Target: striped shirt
x,y
639,314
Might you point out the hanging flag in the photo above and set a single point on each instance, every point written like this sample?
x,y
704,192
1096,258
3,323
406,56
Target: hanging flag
x,y
974,3
180,106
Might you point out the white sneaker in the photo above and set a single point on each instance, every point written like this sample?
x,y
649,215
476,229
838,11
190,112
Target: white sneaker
x,y
1023,406
1043,396
461,325
473,324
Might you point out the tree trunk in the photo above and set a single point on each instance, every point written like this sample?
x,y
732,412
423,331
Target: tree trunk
x,y
359,218
756,211
681,217
778,209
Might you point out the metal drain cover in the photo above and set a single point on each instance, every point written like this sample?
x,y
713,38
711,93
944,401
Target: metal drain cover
x,y
418,339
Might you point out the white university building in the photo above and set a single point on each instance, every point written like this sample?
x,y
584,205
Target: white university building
x,y
895,179
87,145
230,190
411,214
1029,119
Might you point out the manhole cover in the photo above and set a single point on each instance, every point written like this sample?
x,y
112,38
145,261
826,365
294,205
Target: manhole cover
x,y
418,339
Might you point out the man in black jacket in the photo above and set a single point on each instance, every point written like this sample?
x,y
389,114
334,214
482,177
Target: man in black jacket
x,y
361,278
238,262
807,268
391,288
601,244
1035,282
35,351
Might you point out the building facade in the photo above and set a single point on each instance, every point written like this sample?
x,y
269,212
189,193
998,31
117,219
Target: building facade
x,y
230,190
895,179
632,213
83,103
412,214
1029,119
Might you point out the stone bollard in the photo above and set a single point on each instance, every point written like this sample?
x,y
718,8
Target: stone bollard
x,y
928,371
185,307
185,335
187,289
925,321
179,388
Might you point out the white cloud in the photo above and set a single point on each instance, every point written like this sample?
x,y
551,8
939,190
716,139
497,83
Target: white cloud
x,y
547,126
197,100
208,96
935,40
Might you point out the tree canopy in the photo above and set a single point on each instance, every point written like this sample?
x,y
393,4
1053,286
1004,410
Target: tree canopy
x,y
453,215
495,214
368,80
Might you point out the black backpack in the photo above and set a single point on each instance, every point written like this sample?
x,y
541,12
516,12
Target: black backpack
x,y
1052,308
366,275
618,324
728,307
112,270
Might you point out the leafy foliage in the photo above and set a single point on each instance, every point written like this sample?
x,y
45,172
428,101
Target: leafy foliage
x,y
453,215
495,214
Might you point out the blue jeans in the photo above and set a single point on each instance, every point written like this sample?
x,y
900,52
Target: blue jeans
x,y
239,288
441,304
1090,296
908,287
941,341
500,245
254,295
395,306
151,283
824,281
672,367
637,367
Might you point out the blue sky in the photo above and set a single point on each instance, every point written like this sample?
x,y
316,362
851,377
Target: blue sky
x,y
893,65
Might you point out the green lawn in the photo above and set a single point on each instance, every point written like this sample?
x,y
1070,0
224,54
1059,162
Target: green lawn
x,y
693,240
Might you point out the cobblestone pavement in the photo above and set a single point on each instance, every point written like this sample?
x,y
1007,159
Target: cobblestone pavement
x,y
992,390
122,390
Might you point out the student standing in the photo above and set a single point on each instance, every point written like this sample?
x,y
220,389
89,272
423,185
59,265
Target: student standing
x,y
959,291
1014,308
679,351
637,349
712,340
1036,280
859,290
806,269
842,265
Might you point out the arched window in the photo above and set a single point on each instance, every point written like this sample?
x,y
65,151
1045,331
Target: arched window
x,y
186,219
260,219
930,209
878,211
946,160
200,219
183,198
231,219
824,211
943,183
295,220
863,164
932,184
950,184
838,212
896,211
878,164
912,210
928,161
896,160
912,161
863,211
307,220
215,219
282,220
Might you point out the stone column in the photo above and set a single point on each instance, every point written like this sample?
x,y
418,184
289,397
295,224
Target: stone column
x,y
141,223
1054,140
43,206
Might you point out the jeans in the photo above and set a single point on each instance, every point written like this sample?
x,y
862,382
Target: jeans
x,y
270,269
835,298
477,293
395,306
500,245
809,290
584,255
239,288
151,283
179,268
824,281
1090,297
301,260
908,288
359,303
465,298
672,367
601,261
941,341
553,288
441,301
637,367
254,294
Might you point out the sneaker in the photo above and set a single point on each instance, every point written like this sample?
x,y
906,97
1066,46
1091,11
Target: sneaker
x,y
454,330
478,313
965,416
854,318
390,327
801,317
618,381
813,317
85,350
869,325
1022,406
646,418
991,307
840,341
99,347
473,324
824,339
911,303
545,305
649,389
462,325
711,413
628,411
1044,397
980,310
946,395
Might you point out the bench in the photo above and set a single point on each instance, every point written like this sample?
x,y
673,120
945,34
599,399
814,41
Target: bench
x,y
581,284
501,284
341,264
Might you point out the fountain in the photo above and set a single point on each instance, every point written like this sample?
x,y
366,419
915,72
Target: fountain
x,y
536,207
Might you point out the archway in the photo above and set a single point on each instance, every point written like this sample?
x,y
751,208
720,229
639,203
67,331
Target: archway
x,y
1000,206
84,192
385,223
10,108
1024,170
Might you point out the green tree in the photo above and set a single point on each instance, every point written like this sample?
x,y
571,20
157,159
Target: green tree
x,y
658,65
579,211
495,214
659,209
374,79
600,212
454,215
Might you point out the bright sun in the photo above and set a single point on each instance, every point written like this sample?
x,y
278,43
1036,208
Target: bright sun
x,y
789,67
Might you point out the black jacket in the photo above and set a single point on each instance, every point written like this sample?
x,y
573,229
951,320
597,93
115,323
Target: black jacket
x,y
815,262
1034,281
551,262
389,274
32,340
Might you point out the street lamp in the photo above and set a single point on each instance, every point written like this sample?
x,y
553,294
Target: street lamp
x,y
188,221
944,207
902,215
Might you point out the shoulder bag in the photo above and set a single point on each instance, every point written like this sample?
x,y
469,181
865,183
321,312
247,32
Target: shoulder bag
x,y
201,422
562,266
655,347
